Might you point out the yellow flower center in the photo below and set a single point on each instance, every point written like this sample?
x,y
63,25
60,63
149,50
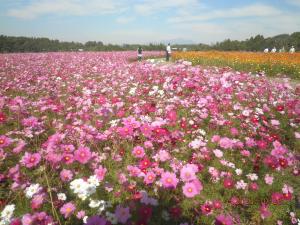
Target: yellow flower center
x,y
169,180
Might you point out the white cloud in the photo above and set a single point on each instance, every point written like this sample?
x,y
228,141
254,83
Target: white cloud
x,y
294,2
70,7
148,7
255,10
125,20
211,32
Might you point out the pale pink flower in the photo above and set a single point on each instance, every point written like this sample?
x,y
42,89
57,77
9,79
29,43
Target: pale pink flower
x,y
226,143
269,179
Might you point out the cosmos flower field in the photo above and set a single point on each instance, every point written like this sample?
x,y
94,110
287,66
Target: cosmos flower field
x,y
92,138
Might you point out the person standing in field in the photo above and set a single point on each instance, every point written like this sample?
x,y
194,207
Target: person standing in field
x,y
292,50
168,52
140,53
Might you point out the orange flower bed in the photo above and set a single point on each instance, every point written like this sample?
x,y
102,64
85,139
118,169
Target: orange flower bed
x,y
271,63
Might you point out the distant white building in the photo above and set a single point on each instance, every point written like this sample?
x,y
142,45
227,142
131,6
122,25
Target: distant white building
x,y
80,50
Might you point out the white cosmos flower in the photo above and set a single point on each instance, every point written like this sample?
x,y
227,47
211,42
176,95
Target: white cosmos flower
x,y
111,217
93,180
62,196
94,203
32,190
7,214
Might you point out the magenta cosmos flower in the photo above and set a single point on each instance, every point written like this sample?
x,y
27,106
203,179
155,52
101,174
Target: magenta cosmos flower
x,y
83,155
169,180
67,209
30,160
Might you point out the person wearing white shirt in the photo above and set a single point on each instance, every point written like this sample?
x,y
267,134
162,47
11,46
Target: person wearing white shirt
x,y
168,52
274,50
292,50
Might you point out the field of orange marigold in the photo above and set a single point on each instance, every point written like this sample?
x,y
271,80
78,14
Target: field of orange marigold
x,y
272,64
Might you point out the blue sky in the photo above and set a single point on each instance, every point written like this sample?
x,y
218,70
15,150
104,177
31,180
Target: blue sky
x,y
145,21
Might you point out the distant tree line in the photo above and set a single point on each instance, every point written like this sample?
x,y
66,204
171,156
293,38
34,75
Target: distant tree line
x,y
257,43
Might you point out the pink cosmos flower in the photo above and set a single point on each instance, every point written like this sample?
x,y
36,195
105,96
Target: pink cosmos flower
x,y
234,131
67,209
138,152
218,153
269,179
264,212
37,201
125,131
172,115
226,143
278,149
245,153
277,198
162,156
148,144
207,208
80,214
215,138
149,178
146,130
31,160
223,220
27,219
187,173
20,146
4,141
83,155
67,148
122,214
30,122
66,175
68,159
100,173
250,142
217,204
190,190
169,180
